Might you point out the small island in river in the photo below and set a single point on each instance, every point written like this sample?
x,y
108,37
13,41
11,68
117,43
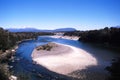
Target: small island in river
x,y
61,58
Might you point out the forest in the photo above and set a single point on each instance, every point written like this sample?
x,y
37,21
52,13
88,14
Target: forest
x,y
106,36
9,39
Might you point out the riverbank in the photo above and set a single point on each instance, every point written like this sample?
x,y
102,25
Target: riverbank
x,y
66,37
63,59
5,58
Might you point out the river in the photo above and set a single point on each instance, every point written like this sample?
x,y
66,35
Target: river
x,y
24,67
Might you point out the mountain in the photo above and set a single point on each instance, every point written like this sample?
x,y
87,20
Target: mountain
x,y
38,30
23,30
117,26
64,29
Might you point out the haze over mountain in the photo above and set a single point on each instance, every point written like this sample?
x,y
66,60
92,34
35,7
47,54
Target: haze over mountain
x,y
39,30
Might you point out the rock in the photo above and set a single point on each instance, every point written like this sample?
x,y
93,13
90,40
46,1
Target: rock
x,y
13,61
12,77
13,50
40,75
33,70
7,51
10,67
12,57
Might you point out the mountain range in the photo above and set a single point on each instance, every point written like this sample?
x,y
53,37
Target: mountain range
x,y
39,30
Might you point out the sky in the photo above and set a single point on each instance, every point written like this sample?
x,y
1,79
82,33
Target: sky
x,y
53,14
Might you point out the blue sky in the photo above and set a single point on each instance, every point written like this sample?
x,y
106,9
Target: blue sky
x,y
52,14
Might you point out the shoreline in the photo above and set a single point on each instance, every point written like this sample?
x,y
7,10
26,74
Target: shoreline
x,y
66,37
65,62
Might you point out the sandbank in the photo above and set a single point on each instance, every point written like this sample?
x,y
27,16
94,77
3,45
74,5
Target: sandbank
x,y
63,59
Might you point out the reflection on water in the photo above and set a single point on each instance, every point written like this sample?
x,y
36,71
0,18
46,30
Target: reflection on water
x,y
24,65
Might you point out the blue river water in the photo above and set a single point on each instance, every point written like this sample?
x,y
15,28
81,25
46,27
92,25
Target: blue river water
x,y
25,65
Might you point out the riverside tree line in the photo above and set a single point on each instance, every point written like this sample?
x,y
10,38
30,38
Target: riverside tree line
x,y
9,39
106,36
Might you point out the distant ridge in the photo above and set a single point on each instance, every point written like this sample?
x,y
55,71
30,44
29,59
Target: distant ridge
x,y
65,29
23,30
117,26
38,30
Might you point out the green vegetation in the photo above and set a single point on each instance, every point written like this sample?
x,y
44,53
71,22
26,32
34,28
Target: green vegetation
x,y
7,41
106,36
114,69
47,47
109,36
73,33
4,70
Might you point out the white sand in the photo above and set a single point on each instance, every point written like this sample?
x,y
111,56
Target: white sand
x,y
66,37
64,59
